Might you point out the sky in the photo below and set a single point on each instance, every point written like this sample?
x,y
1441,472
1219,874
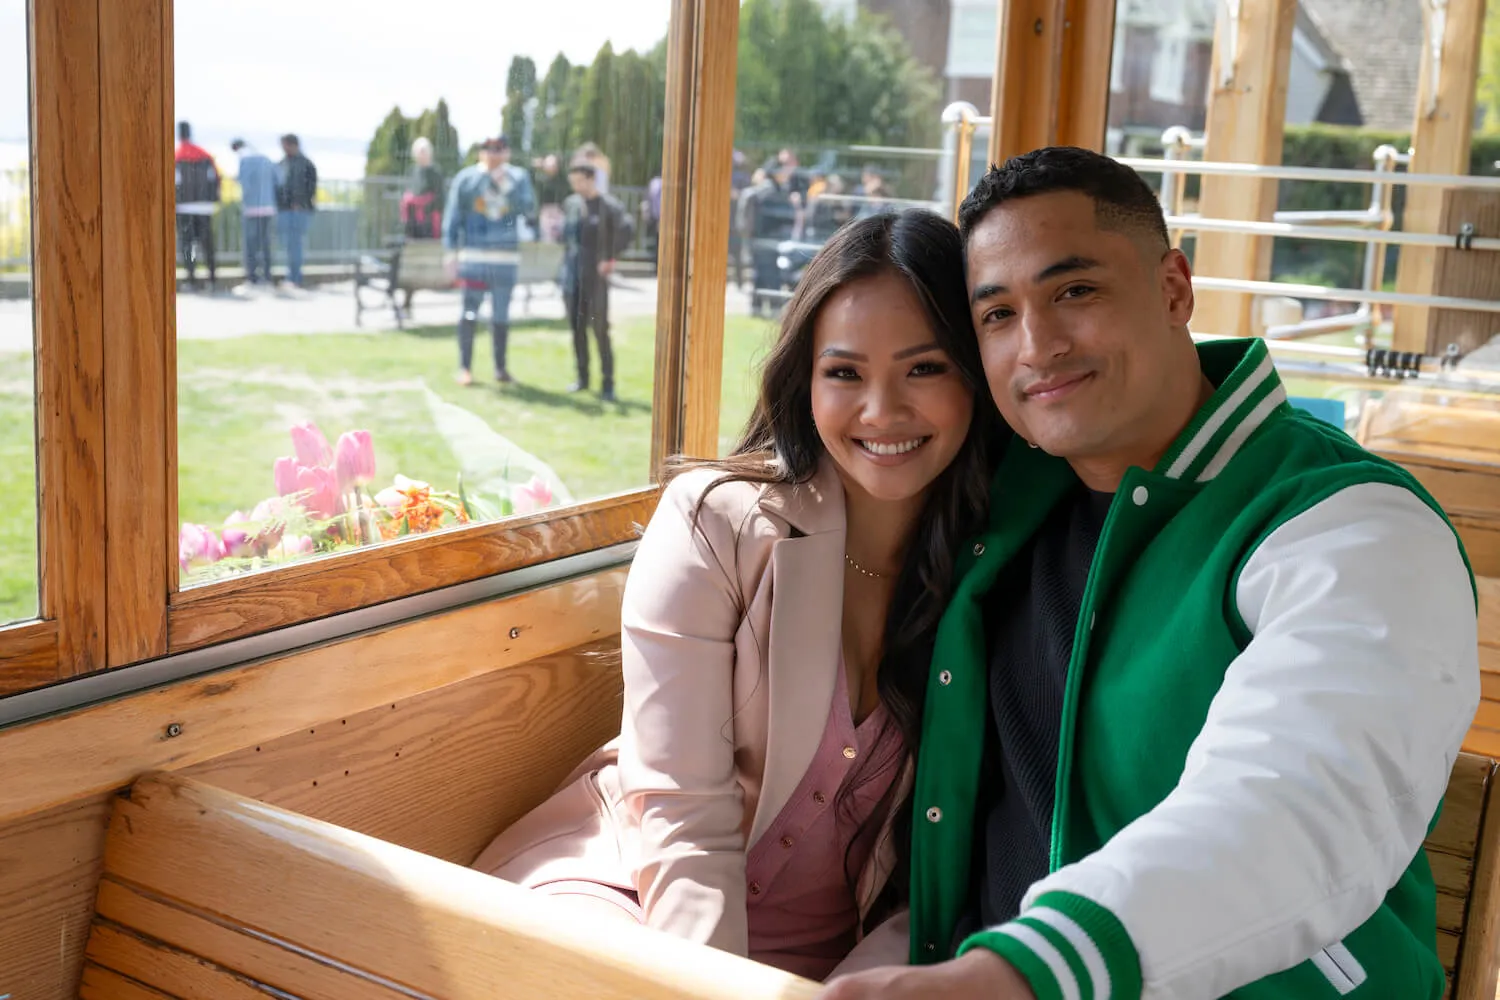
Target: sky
x,y
330,70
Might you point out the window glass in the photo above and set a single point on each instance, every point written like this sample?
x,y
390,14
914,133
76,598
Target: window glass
x,y
18,528
383,246
839,112
1158,72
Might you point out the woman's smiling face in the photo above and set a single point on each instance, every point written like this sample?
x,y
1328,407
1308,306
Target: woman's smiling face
x,y
891,408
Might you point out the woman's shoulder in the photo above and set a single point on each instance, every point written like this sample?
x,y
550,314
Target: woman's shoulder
x,y
722,506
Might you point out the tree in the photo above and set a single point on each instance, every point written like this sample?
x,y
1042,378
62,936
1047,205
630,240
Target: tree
x,y
390,148
1489,68
807,80
389,153
520,90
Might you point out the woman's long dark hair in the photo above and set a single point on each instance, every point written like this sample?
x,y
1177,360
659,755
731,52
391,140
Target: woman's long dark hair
x,y
780,444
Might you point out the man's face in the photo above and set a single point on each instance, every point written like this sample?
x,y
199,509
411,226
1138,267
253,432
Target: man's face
x,y
581,184
1081,329
493,159
289,148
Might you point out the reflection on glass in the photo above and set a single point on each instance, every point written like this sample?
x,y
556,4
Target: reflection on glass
x,y
417,281
838,114
18,493
1159,72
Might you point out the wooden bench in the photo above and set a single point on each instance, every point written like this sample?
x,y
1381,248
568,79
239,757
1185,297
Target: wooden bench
x,y
212,895
411,266
209,894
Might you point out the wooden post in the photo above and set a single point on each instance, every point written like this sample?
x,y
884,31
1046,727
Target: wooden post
x,y
1051,75
693,257
1440,145
1246,120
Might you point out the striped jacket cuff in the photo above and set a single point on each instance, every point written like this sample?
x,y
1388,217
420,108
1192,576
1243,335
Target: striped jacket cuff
x,y
1068,948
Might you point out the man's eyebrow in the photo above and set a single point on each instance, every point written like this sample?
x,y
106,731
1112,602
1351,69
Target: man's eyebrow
x,y
1067,265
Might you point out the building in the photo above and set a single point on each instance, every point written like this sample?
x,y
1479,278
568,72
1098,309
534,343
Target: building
x,y
1354,62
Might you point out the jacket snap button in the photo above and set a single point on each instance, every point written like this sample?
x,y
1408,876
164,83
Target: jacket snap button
x,y
934,814
979,548
819,798
755,888
945,678
786,841
929,946
1140,495
850,753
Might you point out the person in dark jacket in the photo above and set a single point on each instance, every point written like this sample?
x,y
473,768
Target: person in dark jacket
x,y
197,199
295,199
597,230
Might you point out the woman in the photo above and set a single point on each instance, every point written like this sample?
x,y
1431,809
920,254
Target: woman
x,y
422,201
772,704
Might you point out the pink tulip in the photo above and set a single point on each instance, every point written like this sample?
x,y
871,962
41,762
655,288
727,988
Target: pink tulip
x,y
298,545
312,446
321,492
285,474
198,546
532,496
237,541
354,460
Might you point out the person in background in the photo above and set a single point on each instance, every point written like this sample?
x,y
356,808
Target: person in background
x,y
739,184
597,230
197,183
872,187
651,213
257,178
591,154
551,191
481,234
422,202
296,198
772,214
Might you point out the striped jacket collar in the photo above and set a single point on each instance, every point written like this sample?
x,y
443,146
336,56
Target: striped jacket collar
x,y
1249,391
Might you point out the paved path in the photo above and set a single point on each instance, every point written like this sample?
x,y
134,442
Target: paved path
x,y
329,309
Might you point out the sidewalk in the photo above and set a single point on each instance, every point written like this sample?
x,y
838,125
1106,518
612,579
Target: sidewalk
x,y
329,309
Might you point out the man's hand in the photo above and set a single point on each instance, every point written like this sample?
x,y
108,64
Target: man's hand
x,y
450,265
979,975
606,267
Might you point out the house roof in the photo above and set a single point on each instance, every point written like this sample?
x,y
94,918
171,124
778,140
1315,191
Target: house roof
x,y
1380,42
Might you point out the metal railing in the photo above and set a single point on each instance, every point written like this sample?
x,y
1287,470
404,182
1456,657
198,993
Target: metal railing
x,y
1371,227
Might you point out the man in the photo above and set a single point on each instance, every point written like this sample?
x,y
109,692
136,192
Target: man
x,y
257,179
597,230
1197,694
872,188
296,198
771,213
198,185
486,203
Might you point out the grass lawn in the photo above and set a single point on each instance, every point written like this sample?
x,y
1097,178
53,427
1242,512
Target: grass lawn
x,y
237,398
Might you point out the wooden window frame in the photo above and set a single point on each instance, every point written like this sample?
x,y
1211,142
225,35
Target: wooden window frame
x,y
101,80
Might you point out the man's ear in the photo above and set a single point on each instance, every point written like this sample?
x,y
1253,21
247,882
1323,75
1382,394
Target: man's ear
x,y
1177,287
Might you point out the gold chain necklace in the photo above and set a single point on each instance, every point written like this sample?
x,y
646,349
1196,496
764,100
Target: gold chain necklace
x,y
860,569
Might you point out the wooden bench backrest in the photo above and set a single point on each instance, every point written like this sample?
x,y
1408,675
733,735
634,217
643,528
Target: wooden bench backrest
x,y
1464,850
210,894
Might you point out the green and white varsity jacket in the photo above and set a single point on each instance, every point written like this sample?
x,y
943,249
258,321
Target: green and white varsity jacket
x,y
1275,664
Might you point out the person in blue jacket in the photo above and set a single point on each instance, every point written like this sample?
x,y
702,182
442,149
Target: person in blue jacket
x,y
257,179
481,235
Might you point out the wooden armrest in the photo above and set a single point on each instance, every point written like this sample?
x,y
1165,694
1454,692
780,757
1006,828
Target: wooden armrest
x,y
208,878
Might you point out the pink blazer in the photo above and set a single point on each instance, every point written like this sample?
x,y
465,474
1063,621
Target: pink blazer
x,y
730,642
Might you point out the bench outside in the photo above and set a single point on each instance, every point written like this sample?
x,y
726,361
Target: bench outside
x,y
411,266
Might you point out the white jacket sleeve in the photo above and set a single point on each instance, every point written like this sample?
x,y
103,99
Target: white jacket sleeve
x,y
1323,759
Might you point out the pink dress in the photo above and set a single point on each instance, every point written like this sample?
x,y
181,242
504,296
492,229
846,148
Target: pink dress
x,y
800,874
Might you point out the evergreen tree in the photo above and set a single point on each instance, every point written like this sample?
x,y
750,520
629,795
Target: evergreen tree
x,y
390,148
434,124
520,88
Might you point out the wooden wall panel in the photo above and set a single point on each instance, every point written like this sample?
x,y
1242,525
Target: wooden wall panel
x,y
1052,75
137,211
444,771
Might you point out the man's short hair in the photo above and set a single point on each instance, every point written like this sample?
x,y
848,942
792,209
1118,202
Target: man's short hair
x,y
184,130
290,139
237,144
584,170
1122,200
